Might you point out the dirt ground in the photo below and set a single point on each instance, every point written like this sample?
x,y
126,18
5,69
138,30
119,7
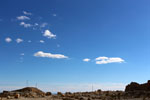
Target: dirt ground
x,y
50,98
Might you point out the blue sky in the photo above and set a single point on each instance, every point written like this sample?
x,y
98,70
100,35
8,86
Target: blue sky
x,y
62,44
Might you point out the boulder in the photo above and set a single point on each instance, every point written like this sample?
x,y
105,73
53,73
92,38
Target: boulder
x,y
48,94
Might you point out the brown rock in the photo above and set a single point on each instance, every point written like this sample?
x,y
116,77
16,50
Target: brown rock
x,y
17,96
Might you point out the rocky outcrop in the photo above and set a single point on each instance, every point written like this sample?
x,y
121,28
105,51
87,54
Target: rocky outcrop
x,y
136,90
133,86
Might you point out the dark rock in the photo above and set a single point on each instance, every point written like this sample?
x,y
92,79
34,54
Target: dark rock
x,y
48,93
136,90
133,86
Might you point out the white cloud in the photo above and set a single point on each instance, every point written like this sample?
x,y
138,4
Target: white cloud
x,y
8,39
101,58
25,25
23,18
49,34
106,60
42,41
49,55
101,62
86,59
43,24
27,13
19,40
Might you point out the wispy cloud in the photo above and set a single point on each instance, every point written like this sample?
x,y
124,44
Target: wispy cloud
x,y
8,39
101,58
42,41
49,34
27,13
86,60
43,24
25,25
23,18
19,40
106,60
49,55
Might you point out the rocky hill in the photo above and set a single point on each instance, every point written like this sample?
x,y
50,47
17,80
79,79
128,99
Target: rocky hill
x,y
25,92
